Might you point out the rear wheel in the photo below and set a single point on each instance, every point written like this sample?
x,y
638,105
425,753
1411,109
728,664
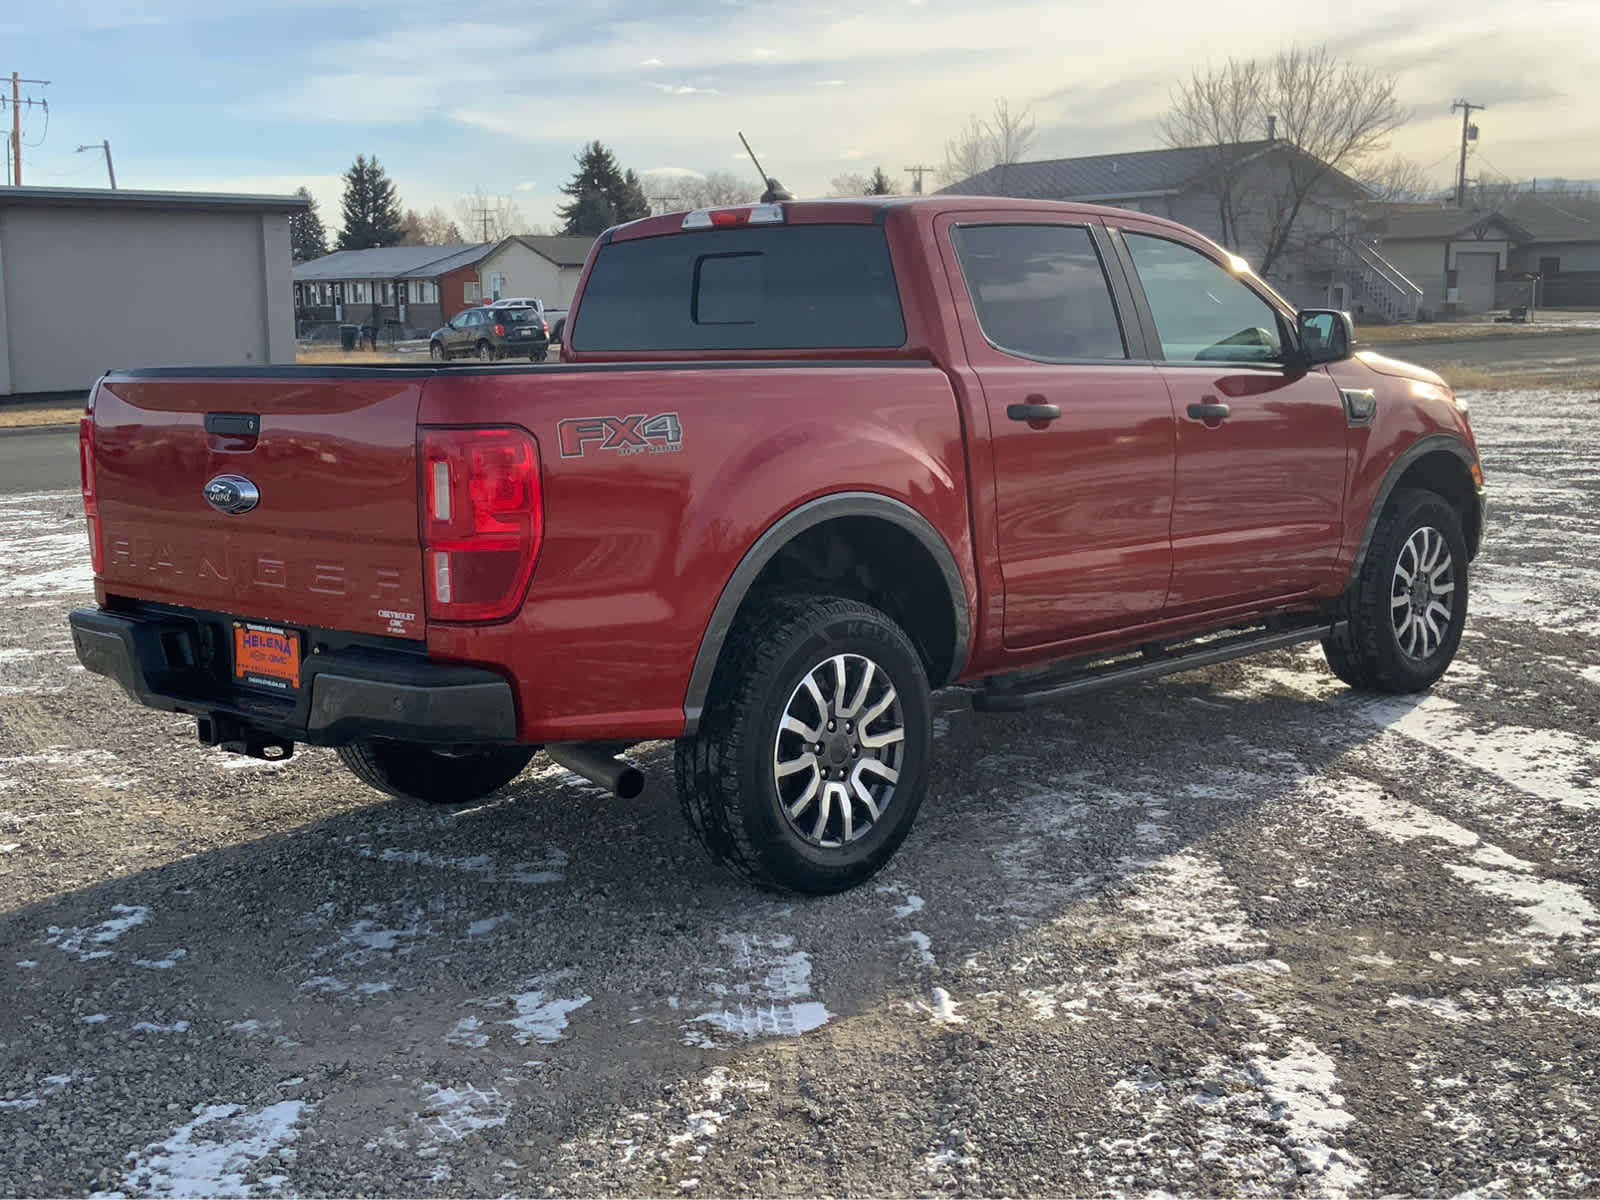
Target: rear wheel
x,y
812,755
1406,610
419,772
485,352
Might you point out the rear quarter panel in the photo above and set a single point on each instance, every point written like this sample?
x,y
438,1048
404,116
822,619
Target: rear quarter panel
x,y
638,547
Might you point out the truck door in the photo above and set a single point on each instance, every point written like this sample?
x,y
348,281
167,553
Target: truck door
x,y
1259,502
1081,427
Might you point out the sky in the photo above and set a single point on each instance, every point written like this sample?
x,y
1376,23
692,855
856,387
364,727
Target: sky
x,y
264,96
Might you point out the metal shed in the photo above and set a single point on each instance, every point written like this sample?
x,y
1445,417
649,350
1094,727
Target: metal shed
x,y
93,279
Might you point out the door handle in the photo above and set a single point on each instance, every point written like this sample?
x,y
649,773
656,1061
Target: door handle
x,y
1035,410
1209,412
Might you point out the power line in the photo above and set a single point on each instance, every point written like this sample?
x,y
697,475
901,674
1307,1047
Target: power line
x,y
916,177
1469,133
17,103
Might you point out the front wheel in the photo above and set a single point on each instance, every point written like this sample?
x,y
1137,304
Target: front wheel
x,y
811,758
436,351
418,772
1406,610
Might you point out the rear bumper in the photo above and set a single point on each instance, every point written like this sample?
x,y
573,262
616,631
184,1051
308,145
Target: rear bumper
x,y
172,661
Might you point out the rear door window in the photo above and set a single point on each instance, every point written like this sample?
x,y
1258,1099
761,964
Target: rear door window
x,y
786,287
1040,291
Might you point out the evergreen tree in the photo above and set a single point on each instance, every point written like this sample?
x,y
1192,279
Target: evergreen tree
x,y
307,238
601,195
371,207
880,184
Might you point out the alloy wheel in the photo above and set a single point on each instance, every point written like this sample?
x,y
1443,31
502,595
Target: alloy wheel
x,y
1422,593
839,750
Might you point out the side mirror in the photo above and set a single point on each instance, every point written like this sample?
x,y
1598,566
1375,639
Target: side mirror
x,y
1326,335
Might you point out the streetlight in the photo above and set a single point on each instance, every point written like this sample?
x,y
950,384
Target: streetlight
x,y
106,146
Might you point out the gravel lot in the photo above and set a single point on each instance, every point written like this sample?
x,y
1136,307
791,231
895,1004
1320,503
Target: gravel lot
x,y
1238,932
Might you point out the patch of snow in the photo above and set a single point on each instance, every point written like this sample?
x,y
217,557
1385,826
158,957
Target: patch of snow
x,y
454,1114
487,925
49,1086
940,1008
465,1033
923,946
80,940
767,996
540,871
211,1154
148,1027
540,1017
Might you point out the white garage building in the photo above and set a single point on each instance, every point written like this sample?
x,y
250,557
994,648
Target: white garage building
x,y
92,280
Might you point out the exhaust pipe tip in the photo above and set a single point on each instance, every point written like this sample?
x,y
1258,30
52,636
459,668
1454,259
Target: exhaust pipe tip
x,y
594,764
630,782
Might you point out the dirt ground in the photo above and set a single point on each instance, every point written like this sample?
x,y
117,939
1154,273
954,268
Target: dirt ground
x,y
1240,932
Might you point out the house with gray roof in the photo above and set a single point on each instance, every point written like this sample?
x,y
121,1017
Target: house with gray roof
x,y
415,289
1233,193
409,289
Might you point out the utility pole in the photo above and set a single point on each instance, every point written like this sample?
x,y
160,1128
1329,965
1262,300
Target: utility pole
x,y
483,215
658,204
1469,133
106,146
16,120
916,174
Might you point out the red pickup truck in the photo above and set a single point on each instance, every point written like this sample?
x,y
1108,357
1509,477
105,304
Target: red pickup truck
x,y
801,463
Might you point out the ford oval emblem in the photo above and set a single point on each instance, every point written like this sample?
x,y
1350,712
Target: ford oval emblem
x,y
232,494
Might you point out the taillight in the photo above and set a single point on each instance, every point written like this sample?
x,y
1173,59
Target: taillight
x,y
482,520
544,327
91,497
499,331
724,218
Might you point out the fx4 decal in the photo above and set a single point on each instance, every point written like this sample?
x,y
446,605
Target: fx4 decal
x,y
638,434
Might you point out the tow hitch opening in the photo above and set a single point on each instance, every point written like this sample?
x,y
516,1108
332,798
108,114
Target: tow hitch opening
x,y
235,737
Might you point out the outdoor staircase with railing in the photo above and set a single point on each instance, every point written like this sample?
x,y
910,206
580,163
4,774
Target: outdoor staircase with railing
x,y
1376,284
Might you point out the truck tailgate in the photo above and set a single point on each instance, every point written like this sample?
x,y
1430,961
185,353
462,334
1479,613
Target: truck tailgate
x,y
333,540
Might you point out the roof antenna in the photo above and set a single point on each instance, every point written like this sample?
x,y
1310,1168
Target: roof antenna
x,y
775,190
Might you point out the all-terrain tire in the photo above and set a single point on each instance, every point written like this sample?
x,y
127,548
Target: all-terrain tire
x,y
1370,653
418,772
728,772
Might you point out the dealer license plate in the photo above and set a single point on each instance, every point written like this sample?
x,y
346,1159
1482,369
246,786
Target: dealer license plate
x,y
266,656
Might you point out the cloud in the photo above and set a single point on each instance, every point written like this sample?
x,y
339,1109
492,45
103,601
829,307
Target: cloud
x,y
650,62
527,185
676,172
828,83
683,89
763,52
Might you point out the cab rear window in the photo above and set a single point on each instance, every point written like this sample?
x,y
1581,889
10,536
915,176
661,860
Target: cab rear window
x,y
795,287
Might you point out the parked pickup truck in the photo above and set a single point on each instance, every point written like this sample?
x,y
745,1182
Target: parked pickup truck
x,y
801,464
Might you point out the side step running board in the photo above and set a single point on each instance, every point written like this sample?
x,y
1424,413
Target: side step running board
x,y
1154,664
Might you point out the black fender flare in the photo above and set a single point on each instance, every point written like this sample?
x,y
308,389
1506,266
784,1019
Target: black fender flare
x,y
777,536
1429,444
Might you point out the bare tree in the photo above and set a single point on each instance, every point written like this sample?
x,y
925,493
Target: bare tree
x,y
853,183
1004,137
1396,180
432,228
487,218
717,189
1331,115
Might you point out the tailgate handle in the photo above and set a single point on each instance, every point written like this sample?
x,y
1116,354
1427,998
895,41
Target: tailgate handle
x,y
246,424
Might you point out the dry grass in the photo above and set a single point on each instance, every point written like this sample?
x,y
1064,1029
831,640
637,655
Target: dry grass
x,y
1385,334
41,414
333,356
1475,377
